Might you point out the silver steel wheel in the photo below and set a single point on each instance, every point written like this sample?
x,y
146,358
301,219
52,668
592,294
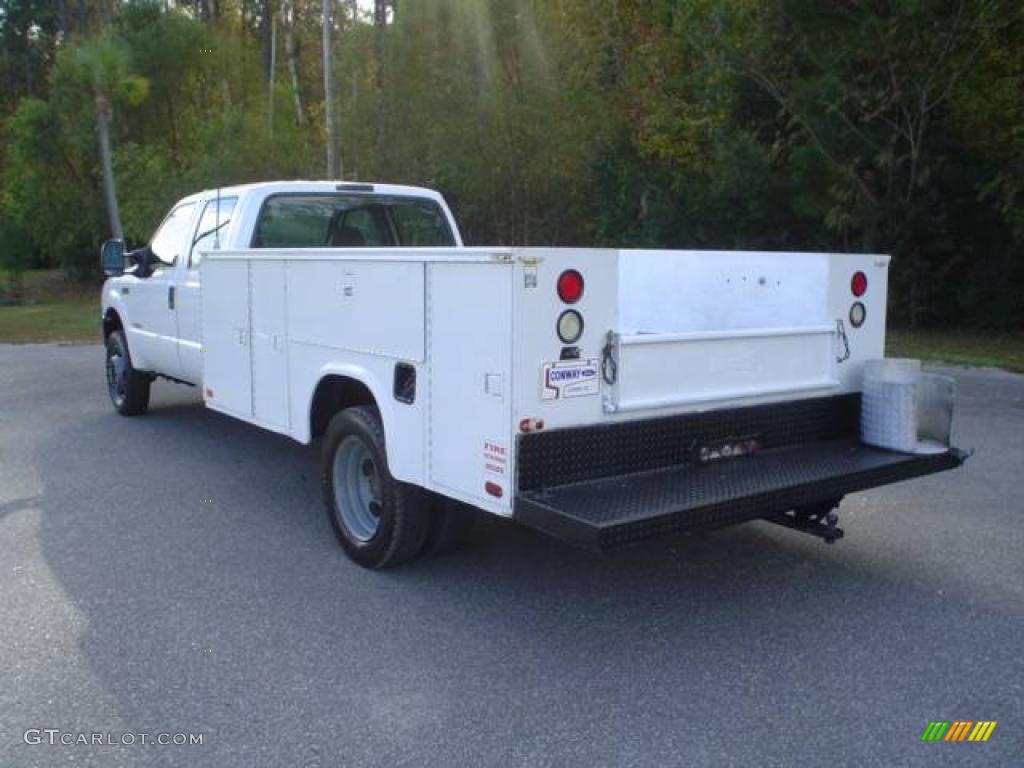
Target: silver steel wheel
x,y
356,479
117,374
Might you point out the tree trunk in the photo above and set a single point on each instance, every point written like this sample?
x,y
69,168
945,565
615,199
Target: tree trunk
x,y
272,70
380,22
328,94
267,12
225,92
292,54
353,153
107,165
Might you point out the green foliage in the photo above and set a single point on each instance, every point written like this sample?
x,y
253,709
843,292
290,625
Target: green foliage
x,y
13,258
781,124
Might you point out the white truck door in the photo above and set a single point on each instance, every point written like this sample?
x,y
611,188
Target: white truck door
x,y
470,359
207,236
269,350
227,361
152,314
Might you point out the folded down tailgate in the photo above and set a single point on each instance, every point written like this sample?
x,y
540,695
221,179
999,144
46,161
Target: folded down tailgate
x,y
599,487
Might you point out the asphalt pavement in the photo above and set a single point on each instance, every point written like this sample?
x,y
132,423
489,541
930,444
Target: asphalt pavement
x,y
176,574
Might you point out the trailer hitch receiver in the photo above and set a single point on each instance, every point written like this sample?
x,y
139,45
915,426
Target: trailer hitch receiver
x,y
821,520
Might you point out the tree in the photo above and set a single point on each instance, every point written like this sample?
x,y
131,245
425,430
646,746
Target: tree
x,y
104,66
328,92
291,50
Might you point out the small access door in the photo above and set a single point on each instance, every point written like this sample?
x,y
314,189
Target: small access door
x,y
227,360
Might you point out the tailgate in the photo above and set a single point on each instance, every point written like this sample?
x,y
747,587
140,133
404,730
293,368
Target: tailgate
x,y
602,486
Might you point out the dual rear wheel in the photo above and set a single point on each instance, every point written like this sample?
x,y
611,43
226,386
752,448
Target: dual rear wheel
x,y
382,522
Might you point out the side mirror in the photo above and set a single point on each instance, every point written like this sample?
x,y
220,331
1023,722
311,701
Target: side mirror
x,y
112,257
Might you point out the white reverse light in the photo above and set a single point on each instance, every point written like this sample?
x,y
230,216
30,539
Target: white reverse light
x,y
570,326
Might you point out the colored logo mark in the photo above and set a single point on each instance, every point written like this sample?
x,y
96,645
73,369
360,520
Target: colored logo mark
x,y
958,730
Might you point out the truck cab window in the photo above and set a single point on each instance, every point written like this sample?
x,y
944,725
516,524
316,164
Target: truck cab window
x,y
350,221
421,225
367,226
212,225
170,237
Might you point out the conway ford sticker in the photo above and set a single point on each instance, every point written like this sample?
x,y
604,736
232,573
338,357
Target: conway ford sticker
x,y
573,378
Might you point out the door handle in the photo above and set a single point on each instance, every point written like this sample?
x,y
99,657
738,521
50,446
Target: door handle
x,y
170,297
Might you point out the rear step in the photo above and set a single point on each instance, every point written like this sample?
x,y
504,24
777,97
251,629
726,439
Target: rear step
x,y
606,512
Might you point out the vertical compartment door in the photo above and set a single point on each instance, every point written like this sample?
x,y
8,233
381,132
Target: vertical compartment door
x,y
227,366
470,359
269,347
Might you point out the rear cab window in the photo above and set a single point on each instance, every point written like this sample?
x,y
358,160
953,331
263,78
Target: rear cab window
x,y
339,220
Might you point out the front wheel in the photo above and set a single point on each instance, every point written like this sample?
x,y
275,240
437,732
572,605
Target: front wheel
x,y
127,387
379,521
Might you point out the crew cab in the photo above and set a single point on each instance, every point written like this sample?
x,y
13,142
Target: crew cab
x,y
600,396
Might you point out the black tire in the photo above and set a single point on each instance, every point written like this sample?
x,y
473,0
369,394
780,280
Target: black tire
x,y
402,519
451,526
127,387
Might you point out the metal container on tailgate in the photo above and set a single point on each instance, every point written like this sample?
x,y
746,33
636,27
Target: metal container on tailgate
x,y
903,409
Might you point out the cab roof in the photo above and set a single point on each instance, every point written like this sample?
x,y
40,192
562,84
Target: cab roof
x,y
267,188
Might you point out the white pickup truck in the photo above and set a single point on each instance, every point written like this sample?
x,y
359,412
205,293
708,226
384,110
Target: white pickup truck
x,y
600,396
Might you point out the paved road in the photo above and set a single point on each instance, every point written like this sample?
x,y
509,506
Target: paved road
x,y
175,573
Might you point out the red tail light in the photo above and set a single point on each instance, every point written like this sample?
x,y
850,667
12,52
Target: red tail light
x,y
859,284
570,286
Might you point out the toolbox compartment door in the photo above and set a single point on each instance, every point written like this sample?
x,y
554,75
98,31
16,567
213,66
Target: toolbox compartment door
x,y
470,352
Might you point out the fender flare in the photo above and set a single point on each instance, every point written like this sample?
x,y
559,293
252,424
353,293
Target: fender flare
x,y
113,302
376,389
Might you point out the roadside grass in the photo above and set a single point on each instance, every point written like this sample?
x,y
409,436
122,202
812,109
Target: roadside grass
x,y
55,309
997,350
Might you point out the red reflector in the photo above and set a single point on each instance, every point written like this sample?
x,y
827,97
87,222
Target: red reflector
x,y
859,283
570,286
494,489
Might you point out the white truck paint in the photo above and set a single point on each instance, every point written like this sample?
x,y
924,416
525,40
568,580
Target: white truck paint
x,y
258,329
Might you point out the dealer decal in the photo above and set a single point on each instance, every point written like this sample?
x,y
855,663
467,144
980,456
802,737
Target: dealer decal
x,y
571,378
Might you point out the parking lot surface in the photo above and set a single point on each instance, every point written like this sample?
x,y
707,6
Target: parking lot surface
x,y
175,573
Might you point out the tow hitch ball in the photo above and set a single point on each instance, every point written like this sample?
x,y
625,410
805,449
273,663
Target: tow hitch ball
x,y
819,520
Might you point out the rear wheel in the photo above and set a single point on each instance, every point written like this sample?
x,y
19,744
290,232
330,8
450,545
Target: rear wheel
x,y
379,521
451,525
127,387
